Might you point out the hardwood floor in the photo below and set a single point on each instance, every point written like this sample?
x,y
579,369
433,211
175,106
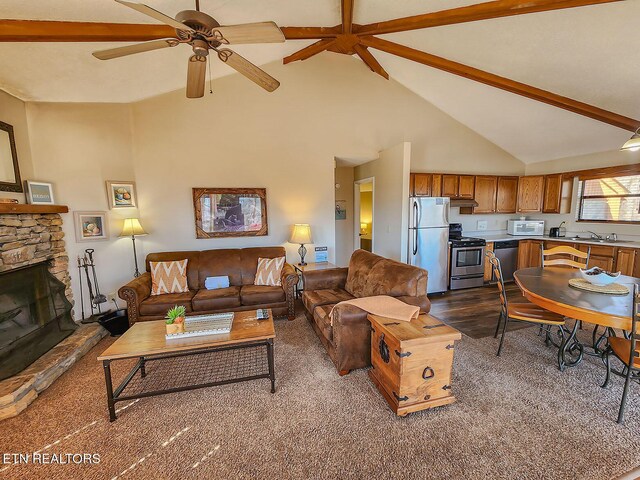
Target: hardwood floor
x,y
474,311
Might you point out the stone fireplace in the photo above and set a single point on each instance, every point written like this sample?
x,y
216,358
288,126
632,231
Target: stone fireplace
x,y
38,338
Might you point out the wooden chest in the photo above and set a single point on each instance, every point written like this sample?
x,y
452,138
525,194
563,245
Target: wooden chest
x,y
412,362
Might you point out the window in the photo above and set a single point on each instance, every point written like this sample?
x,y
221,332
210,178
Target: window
x,y
613,199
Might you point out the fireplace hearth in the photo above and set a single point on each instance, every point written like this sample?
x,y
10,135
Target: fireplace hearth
x,y
35,315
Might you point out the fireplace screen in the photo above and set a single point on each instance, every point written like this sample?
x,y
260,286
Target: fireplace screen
x,y
35,315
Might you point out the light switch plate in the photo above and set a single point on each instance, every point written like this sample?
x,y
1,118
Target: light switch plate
x,y
482,225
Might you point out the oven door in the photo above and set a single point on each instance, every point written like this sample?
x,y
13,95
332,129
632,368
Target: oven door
x,y
467,261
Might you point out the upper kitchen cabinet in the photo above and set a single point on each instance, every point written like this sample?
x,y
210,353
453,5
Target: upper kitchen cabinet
x,y
507,195
530,193
466,186
486,190
436,185
421,184
557,194
450,184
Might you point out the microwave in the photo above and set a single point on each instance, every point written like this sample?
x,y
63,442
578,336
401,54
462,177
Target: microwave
x,y
525,227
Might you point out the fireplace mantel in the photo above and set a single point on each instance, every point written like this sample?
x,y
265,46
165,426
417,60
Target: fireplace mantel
x,y
18,208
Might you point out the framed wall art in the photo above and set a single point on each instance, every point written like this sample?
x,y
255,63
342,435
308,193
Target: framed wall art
x,y
39,193
91,226
230,212
9,170
121,194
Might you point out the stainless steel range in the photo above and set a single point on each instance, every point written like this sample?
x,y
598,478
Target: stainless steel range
x,y
467,259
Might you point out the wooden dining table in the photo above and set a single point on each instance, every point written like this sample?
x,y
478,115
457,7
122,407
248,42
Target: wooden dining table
x,y
549,288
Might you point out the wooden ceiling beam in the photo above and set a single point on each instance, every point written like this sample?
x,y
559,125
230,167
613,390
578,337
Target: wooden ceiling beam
x,y
304,33
472,13
52,31
370,60
310,51
347,15
502,83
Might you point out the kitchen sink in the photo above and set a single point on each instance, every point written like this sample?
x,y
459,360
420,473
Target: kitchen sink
x,y
598,240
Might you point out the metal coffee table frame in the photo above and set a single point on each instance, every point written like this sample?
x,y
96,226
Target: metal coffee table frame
x,y
114,396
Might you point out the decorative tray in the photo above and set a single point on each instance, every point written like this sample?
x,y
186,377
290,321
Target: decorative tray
x,y
201,325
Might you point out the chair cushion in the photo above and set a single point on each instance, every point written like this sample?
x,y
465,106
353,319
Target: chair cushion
x,y
216,299
314,298
269,271
159,304
323,321
169,277
261,294
622,348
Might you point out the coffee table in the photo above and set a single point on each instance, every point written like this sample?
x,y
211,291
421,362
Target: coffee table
x,y
168,366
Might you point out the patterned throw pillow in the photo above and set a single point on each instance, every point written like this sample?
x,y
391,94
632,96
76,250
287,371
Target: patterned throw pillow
x,y
169,277
269,271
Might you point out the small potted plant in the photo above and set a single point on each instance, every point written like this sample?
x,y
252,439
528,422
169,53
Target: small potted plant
x,y
175,319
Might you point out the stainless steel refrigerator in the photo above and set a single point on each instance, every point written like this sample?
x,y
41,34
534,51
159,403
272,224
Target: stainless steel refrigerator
x,y
428,239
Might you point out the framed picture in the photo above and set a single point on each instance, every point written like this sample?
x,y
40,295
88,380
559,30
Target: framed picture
x,y
230,212
121,194
341,209
39,193
91,226
9,170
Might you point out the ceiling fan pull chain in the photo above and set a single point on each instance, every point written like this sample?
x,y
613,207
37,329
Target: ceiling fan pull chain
x,y
210,75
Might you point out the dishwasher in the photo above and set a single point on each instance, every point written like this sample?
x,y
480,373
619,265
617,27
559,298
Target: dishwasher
x,y
507,253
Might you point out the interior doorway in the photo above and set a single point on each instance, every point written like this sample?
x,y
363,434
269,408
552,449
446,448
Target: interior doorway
x,y
363,202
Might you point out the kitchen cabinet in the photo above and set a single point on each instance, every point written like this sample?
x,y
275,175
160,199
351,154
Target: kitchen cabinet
x,y
626,261
486,191
507,195
602,256
421,184
488,269
530,193
529,253
557,194
450,185
436,185
466,186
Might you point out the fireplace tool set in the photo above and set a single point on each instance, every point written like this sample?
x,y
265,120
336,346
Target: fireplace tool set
x,y
96,298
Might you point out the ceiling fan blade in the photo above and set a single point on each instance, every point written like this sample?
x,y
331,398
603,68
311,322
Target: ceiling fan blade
x,y
137,48
196,74
503,83
261,32
472,13
53,31
303,33
248,69
140,7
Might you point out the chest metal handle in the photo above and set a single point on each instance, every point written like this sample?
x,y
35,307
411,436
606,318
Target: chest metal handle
x,y
428,373
384,349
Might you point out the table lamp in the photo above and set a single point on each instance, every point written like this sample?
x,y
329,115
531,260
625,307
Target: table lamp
x,y
132,228
301,235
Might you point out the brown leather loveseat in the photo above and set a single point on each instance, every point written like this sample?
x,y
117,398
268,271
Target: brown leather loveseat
x,y
239,264
348,339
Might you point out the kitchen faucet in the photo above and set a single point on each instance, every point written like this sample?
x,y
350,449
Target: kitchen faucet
x,y
594,235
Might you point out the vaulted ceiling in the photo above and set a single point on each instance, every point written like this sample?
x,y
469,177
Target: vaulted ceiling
x,y
584,53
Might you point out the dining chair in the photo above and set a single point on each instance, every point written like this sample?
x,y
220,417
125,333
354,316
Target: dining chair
x,y
522,312
570,257
627,350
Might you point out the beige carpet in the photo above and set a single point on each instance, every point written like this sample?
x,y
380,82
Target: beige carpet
x,y
517,417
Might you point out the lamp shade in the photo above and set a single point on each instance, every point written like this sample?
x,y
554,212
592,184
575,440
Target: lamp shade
x,y
301,234
633,144
132,227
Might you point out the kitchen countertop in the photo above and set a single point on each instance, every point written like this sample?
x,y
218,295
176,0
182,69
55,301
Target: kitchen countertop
x,y
505,237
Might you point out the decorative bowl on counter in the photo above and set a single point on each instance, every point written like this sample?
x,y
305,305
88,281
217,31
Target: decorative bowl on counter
x,y
598,276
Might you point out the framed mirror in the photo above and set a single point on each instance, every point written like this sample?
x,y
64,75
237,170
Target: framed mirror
x,y
230,212
9,170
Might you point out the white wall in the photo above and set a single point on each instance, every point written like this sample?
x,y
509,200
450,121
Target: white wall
x,y
390,173
78,147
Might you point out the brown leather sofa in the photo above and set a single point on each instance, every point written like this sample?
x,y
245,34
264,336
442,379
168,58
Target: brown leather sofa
x,y
348,340
239,264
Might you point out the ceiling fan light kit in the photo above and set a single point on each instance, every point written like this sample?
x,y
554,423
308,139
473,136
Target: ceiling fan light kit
x,y
633,144
203,33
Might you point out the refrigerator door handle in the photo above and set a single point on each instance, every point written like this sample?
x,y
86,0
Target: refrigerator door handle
x,y
415,243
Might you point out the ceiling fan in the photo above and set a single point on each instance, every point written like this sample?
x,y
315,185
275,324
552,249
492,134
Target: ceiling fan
x,y
203,33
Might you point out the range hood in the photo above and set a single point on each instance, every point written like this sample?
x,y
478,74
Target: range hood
x,y
463,202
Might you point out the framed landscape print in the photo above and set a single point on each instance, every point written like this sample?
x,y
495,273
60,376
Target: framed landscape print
x,y
39,193
341,209
230,212
91,226
121,194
